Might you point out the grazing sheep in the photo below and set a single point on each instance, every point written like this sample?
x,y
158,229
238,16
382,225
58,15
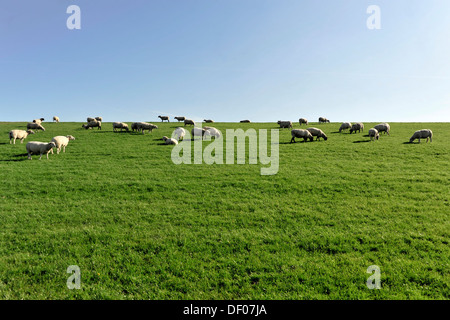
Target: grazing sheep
x,y
383,127
422,134
188,121
56,119
120,125
99,119
179,133
197,132
300,133
317,133
164,118
39,147
345,126
170,140
303,120
19,134
245,121
89,119
284,124
93,124
208,120
213,132
180,118
323,120
135,126
38,121
147,126
357,126
373,134
35,126
61,142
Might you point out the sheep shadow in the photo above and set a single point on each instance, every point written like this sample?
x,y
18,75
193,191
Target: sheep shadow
x,y
361,141
4,143
22,156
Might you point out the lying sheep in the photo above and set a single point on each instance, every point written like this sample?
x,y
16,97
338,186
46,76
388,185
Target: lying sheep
x,y
422,134
99,119
35,126
300,133
164,118
373,134
179,133
323,120
284,124
39,147
357,126
245,121
93,124
383,127
189,122
146,126
120,125
38,121
170,140
56,119
345,126
180,118
19,134
317,133
208,120
303,120
213,132
197,132
61,142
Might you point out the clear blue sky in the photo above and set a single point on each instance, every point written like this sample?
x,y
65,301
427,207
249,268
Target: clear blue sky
x,y
226,60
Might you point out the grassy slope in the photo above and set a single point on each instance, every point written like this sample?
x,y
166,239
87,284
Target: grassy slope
x,y
140,227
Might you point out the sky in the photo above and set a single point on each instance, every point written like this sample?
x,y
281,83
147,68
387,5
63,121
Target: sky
x,y
226,60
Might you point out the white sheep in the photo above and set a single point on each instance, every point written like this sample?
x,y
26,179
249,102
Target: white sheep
x,y
180,118
120,125
197,132
93,124
301,133
317,133
179,133
19,134
61,142
357,126
35,126
56,119
345,126
303,120
383,127
373,134
170,140
213,132
284,124
39,147
89,119
146,126
189,122
164,118
99,119
323,120
422,134
208,120
38,121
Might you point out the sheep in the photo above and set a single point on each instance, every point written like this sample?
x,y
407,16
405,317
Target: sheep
x,y
213,132
38,121
146,126
170,140
422,134
188,121
245,121
120,125
323,120
317,133
93,124
99,119
197,132
300,133
135,126
56,119
180,118
61,142
89,119
208,120
39,147
164,118
285,124
179,133
383,127
357,126
373,134
345,126
19,134
35,126
303,120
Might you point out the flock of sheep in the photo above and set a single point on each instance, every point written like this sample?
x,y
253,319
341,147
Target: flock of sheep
x,y
60,142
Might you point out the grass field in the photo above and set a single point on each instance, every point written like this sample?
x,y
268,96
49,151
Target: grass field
x,y
141,227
